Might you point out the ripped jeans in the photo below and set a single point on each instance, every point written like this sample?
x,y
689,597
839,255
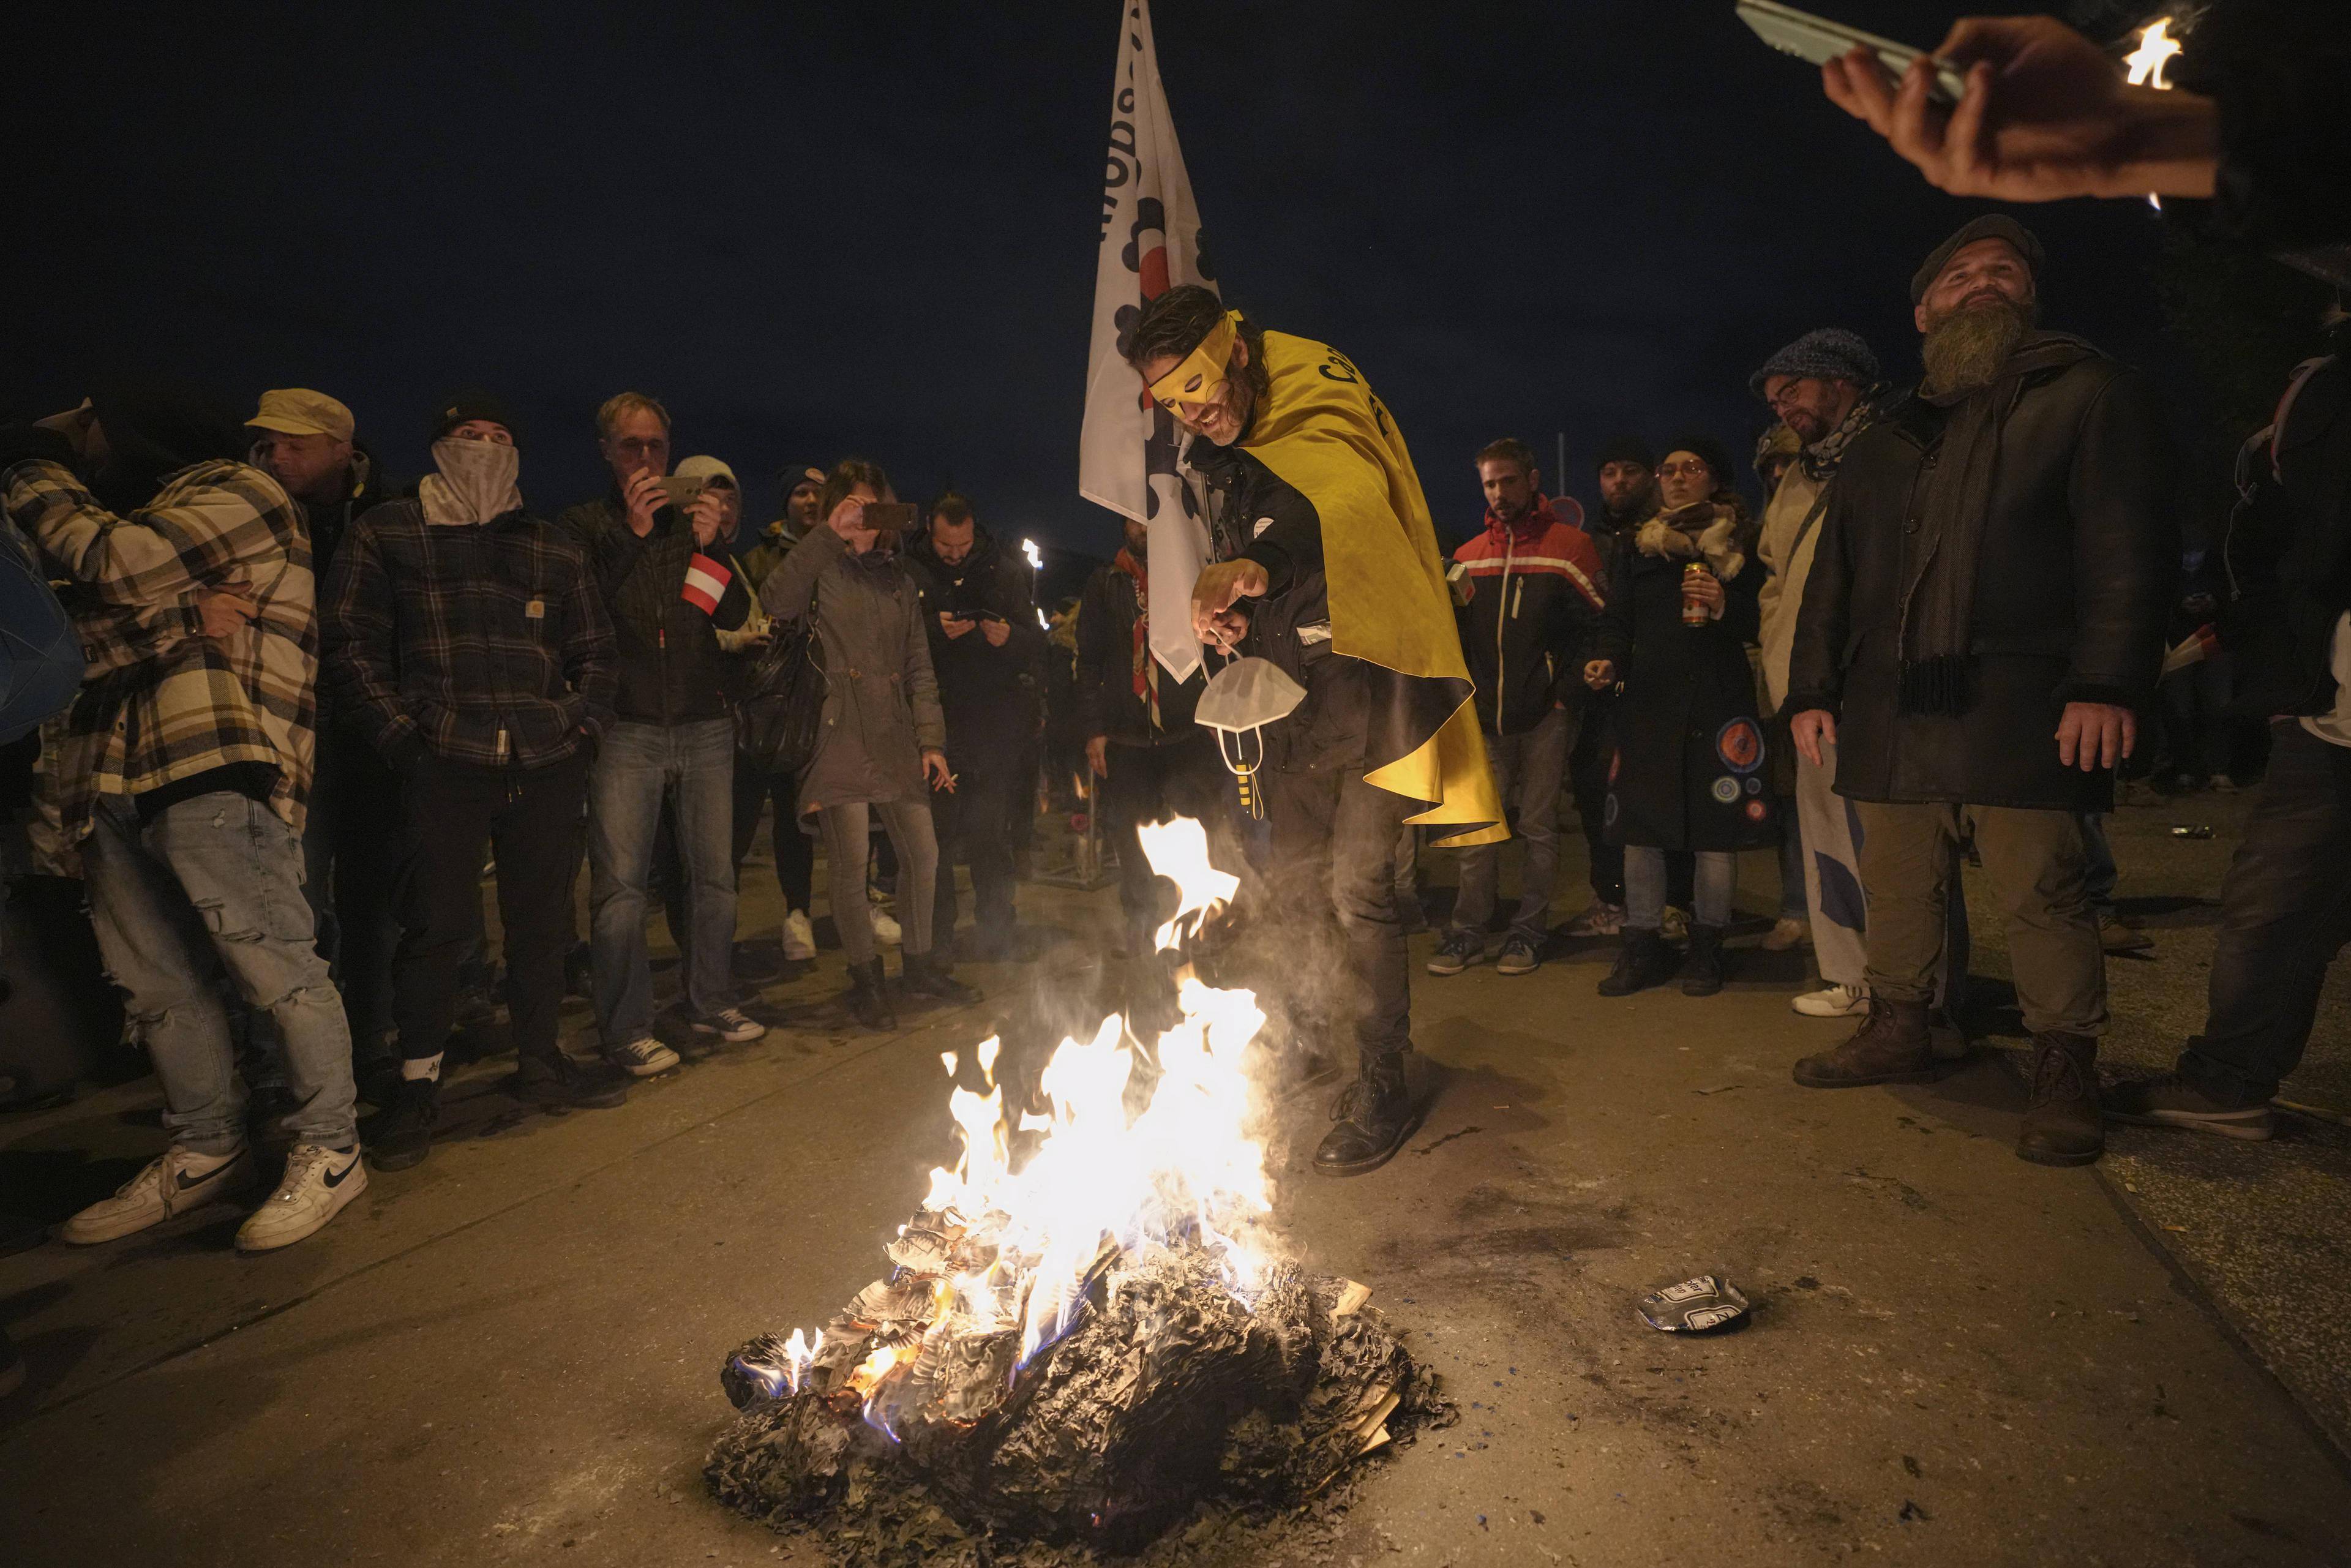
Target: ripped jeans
x,y
215,883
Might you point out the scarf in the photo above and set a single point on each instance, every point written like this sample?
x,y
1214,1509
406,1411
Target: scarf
x,y
1145,669
1940,579
1712,531
1819,459
475,482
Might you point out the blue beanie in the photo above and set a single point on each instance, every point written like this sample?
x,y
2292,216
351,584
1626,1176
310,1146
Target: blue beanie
x,y
1832,353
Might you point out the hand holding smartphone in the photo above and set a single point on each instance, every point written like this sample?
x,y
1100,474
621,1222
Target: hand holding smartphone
x,y
1820,40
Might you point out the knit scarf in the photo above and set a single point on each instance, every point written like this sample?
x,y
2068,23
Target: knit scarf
x,y
1939,589
1819,459
1145,669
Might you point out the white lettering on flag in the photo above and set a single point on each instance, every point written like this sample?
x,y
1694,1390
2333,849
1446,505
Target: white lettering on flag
x,y
705,584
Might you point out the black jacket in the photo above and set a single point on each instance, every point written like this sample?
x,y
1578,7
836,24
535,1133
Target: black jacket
x,y
2289,555
992,695
1107,702
671,669
2079,554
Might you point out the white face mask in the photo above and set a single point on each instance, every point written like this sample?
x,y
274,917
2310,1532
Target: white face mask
x,y
1242,698
477,481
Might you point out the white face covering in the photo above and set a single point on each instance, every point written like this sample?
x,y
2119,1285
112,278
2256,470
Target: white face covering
x,y
477,481
1240,700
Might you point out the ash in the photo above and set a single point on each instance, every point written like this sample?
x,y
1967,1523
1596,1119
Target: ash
x,y
1172,1401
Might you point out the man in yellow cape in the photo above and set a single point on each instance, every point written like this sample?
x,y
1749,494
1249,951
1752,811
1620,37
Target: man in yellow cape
x,y
1327,567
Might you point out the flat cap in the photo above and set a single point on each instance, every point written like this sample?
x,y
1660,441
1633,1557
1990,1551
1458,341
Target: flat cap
x,y
1992,225
298,410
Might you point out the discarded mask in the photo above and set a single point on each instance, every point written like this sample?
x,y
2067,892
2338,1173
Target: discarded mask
x,y
1243,698
1694,1305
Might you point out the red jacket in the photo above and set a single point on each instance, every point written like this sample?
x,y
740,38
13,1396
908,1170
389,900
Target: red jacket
x,y
1534,595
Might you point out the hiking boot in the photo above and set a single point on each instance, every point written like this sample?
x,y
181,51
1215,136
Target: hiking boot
x,y
2061,1124
1704,974
318,1184
868,1002
1375,1115
1892,1046
1602,919
1644,961
180,1182
401,1135
732,1025
1833,1002
924,975
642,1057
1457,952
564,1082
2175,1100
1519,956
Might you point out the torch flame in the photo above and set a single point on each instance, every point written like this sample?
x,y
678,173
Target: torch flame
x,y
2149,60
1036,557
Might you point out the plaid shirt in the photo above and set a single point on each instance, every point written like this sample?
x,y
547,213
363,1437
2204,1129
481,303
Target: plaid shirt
x,y
486,644
163,702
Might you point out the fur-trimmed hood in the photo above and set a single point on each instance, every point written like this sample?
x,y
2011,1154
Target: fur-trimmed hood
x,y
1717,532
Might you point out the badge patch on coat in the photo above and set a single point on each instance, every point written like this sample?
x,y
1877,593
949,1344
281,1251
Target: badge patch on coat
x,y
1726,790
1740,746
1756,810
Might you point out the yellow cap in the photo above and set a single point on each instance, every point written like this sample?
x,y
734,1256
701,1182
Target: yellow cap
x,y
298,410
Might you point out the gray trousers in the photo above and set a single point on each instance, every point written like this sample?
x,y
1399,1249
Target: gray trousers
x,y
1528,770
907,820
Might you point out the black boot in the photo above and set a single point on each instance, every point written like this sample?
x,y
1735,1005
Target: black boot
x,y
401,1135
924,975
868,999
1375,1115
564,1083
1703,976
2062,1125
1644,960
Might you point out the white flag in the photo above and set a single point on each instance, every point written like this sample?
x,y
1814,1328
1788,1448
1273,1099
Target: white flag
x,y
1150,241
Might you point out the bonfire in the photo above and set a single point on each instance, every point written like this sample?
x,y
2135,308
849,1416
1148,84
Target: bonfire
x,y
1088,1331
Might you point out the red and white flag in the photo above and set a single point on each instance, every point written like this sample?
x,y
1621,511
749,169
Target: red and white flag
x,y
705,583
1150,241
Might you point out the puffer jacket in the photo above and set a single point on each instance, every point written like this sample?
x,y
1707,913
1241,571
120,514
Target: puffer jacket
x,y
882,700
1533,593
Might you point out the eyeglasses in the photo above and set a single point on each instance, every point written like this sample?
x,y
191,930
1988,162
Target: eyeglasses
x,y
1776,401
1672,470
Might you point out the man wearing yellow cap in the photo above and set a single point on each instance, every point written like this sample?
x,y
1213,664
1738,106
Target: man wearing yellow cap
x,y
1327,565
308,442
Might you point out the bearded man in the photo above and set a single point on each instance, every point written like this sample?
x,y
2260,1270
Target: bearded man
x,y
1985,610
1327,565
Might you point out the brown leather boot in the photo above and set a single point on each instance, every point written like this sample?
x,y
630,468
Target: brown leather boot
x,y
1892,1046
2061,1124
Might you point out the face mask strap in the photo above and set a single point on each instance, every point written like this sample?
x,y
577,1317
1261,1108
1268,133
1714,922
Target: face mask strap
x,y
1245,773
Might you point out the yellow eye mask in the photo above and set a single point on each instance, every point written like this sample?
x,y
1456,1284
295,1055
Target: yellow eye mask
x,y
1200,382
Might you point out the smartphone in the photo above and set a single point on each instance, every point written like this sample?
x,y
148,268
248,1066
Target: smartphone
x,y
1818,39
891,517
992,616
680,489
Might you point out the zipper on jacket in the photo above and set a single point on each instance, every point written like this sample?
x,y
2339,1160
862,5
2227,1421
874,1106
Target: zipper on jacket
x,y
1501,623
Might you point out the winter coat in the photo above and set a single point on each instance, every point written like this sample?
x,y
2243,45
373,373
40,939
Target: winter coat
x,y
1790,537
2289,554
991,695
1690,767
672,668
2079,552
882,699
1534,596
1106,701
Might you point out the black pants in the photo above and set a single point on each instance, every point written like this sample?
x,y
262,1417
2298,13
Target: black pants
x,y
2285,912
1587,775
973,823
351,855
1154,784
795,851
1334,841
530,818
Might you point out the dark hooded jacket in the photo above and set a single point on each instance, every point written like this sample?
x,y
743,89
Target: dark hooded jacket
x,y
992,695
2288,555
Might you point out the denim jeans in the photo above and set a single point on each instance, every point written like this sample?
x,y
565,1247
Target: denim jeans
x,y
1715,879
638,766
1528,771
215,883
2285,912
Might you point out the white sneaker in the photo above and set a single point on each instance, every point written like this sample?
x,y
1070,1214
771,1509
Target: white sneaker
x,y
318,1182
179,1182
1786,933
885,928
642,1057
2221,784
729,1024
799,939
1674,924
1834,1002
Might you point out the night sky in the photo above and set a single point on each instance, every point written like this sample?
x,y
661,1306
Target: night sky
x,y
871,228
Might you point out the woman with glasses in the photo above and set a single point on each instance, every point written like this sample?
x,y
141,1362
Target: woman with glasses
x,y
1690,771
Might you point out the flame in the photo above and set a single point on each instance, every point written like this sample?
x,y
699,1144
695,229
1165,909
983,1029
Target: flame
x,y
799,1351
2148,61
1036,557
1098,1176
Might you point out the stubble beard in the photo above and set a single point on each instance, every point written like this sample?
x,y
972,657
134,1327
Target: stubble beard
x,y
1965,347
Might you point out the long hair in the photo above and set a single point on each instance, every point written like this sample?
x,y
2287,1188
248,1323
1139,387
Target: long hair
x,y
1179,320
846,476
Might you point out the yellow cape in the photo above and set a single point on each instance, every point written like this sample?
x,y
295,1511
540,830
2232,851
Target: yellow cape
x,y
1323,432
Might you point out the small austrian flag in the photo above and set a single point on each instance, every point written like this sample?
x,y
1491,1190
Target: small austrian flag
x,y
705,583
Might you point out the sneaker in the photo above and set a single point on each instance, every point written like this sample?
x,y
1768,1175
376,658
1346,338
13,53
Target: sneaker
x,y
1517,956
1674,925
1457,952
568,1084
2221,784
401,1135
2175,1101
731,1024
1833,1002
1787,934
1602,919
800,938
886,930
180,1182
318,1182
642,1057
2117,935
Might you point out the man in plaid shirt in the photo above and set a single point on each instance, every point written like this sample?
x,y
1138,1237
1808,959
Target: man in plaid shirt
x,y
183,770
467,640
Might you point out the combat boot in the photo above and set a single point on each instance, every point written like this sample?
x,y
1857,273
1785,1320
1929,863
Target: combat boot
x,y
1643,961
868,1000
2061,1124
1375,1115
1892,1046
